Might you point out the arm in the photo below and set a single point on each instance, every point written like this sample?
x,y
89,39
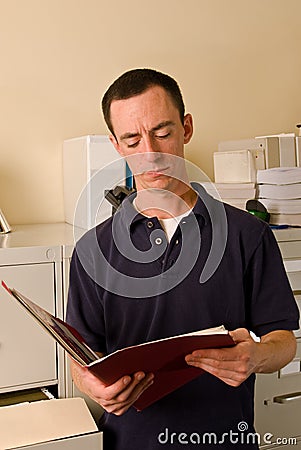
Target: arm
x,y
116,398
234,365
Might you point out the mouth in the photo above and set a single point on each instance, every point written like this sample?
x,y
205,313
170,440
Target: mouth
x,y
157,173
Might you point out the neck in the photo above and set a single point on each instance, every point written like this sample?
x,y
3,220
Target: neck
x,y
165,204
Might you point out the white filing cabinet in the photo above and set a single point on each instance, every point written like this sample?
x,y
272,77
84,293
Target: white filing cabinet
x,y
35,259
278,395
30,261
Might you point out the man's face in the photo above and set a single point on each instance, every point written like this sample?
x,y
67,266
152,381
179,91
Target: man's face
x,y
151,136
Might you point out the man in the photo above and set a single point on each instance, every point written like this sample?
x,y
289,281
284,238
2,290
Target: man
x,y
246,290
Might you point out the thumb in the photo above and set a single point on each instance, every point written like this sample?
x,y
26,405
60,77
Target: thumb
x,y
240,334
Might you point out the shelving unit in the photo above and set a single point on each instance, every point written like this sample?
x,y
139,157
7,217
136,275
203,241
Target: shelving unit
x,y
278,395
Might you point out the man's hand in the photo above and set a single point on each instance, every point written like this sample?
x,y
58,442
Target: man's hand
x,y
116,398
234,365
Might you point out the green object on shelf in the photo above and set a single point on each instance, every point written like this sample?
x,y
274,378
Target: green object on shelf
x,y
258,209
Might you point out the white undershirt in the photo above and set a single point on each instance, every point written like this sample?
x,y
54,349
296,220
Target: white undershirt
x,y
169,225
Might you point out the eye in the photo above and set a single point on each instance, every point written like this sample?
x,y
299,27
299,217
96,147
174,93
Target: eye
x,y
133,145
163,136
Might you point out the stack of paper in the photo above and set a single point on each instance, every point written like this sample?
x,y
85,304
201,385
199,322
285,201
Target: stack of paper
x,y
279,190
236,194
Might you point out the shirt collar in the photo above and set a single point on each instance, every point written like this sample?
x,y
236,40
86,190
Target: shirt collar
x,y
130,215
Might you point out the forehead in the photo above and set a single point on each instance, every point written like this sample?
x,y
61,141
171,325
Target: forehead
x,y
148,109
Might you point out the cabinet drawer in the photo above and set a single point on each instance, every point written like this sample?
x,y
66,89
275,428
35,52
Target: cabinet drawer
x,y
92,441
278,402
27,354
62,424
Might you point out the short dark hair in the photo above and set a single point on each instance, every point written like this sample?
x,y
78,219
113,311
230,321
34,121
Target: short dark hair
x,y
135,82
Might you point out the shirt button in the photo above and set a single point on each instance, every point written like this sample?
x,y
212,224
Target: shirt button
x,y
150,224
177,241
158,241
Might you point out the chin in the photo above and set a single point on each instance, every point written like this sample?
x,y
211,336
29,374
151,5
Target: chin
x,y
159,185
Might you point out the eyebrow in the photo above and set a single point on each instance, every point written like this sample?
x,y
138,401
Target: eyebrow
x,y
167,123
164,124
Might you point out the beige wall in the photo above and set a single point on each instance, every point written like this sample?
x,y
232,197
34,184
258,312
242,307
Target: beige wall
x,y
237,61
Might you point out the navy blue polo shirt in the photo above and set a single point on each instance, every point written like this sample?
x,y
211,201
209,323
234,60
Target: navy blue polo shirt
x,y
128,285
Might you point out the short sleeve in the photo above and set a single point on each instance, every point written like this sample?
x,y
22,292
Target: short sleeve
x,y
270,302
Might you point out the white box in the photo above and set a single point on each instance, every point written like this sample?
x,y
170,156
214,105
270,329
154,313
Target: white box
x,y
272,151
279,150
241,144
287,152
90,166
234,167
256,146
48,424
272,158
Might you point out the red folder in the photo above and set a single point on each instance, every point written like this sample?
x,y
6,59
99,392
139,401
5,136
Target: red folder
x,y
165,358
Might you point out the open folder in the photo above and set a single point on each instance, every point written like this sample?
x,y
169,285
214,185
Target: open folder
x,y
165,358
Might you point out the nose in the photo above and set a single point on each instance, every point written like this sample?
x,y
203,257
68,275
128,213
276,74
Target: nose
x,y
151,156
151,151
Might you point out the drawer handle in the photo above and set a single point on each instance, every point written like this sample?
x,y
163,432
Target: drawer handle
x,y
297,292
284,399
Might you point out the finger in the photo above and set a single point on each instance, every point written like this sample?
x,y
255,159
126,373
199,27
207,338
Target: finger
x,y
223,354
137,392
139,382
233,374
236,362
142,386
122,391
124,401
113,390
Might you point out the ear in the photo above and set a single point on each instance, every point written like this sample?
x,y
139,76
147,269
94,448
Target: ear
x,y
188,128
115,143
